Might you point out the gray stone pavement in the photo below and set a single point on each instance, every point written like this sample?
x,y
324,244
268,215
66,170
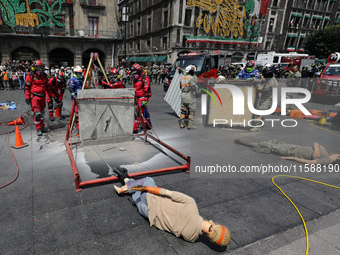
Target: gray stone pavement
x,y
41,212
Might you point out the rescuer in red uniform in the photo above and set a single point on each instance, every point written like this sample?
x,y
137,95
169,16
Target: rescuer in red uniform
x,y
57,85
36,87
141,84
115,82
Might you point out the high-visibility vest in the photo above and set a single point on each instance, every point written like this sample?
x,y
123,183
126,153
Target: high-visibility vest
x,y
5,75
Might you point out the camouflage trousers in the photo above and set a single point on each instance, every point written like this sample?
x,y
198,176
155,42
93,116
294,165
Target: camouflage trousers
x,y
278,147
188,109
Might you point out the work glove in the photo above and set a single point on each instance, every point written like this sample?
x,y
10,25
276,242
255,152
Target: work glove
x,y
28,101
73,94
153,190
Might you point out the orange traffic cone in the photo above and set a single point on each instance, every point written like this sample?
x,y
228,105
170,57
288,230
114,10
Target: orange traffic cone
x,y
18,121
57,112
19,143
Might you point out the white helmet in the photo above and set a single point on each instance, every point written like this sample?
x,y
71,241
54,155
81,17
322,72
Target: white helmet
x,y
190,67
77,69
220,78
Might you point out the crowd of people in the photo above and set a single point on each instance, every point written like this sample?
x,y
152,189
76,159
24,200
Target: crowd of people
x,y
45,86
15,74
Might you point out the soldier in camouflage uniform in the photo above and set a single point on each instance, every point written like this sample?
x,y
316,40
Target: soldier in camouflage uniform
x,y
188,100
265,88
294,80
315,154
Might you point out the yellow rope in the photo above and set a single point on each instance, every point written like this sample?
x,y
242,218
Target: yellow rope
x,y
323,129
304,223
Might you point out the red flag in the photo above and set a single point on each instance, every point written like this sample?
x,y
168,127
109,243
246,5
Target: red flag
x,y
264,6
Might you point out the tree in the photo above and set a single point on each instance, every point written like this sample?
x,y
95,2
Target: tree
x,y
323,42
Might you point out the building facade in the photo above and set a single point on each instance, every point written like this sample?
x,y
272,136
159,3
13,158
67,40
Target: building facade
x,y
59,32
156,31
288,23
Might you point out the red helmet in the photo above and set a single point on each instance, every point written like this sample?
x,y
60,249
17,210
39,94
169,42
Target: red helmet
x,y
38,67
114,71
38,63
60,77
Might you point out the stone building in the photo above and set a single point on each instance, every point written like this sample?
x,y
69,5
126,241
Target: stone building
x,y
156,31
59,32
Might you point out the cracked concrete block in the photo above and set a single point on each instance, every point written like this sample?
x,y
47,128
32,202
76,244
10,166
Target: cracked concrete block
x,y
105,115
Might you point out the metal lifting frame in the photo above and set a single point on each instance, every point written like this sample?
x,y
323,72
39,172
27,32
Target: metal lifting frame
x,y
81,184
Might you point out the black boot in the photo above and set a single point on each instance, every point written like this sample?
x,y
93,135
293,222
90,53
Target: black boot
x,y
122,173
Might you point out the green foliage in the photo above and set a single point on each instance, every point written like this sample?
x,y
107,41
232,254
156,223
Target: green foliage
x,y
323,42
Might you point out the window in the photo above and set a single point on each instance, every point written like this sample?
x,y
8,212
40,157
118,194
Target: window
x,y
149,25
178,38
61,29
306,22
180,14
165,19
22,30
271,25
139,6
92,2
148,44
165,43
187,18
275,3
268,43
138,28
93,26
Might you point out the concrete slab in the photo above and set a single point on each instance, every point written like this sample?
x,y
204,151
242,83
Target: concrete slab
x,y
105,120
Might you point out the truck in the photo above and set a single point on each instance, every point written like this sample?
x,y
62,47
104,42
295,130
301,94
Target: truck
x,y
206,64
286,60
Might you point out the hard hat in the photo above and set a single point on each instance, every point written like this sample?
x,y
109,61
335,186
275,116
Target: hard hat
x,y
189,68
77,69
220,78
137,67
60,77
38,63
114,71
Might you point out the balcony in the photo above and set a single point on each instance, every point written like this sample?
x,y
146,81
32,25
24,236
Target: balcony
x,y
59,32
92,4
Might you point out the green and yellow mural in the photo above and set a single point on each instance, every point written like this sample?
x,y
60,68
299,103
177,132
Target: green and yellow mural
x,y
34,13
227,18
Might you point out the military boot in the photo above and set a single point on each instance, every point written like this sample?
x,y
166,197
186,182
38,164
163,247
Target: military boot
x,y
191,126
252,145
182,123
257,127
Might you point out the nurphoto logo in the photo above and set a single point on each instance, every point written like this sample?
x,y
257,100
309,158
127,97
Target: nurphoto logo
x,y
238,104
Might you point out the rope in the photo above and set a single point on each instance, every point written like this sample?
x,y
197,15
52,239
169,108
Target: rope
x,y
303,221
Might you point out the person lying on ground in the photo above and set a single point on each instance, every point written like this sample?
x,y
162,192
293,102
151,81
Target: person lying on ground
x,y
302,154
170,211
